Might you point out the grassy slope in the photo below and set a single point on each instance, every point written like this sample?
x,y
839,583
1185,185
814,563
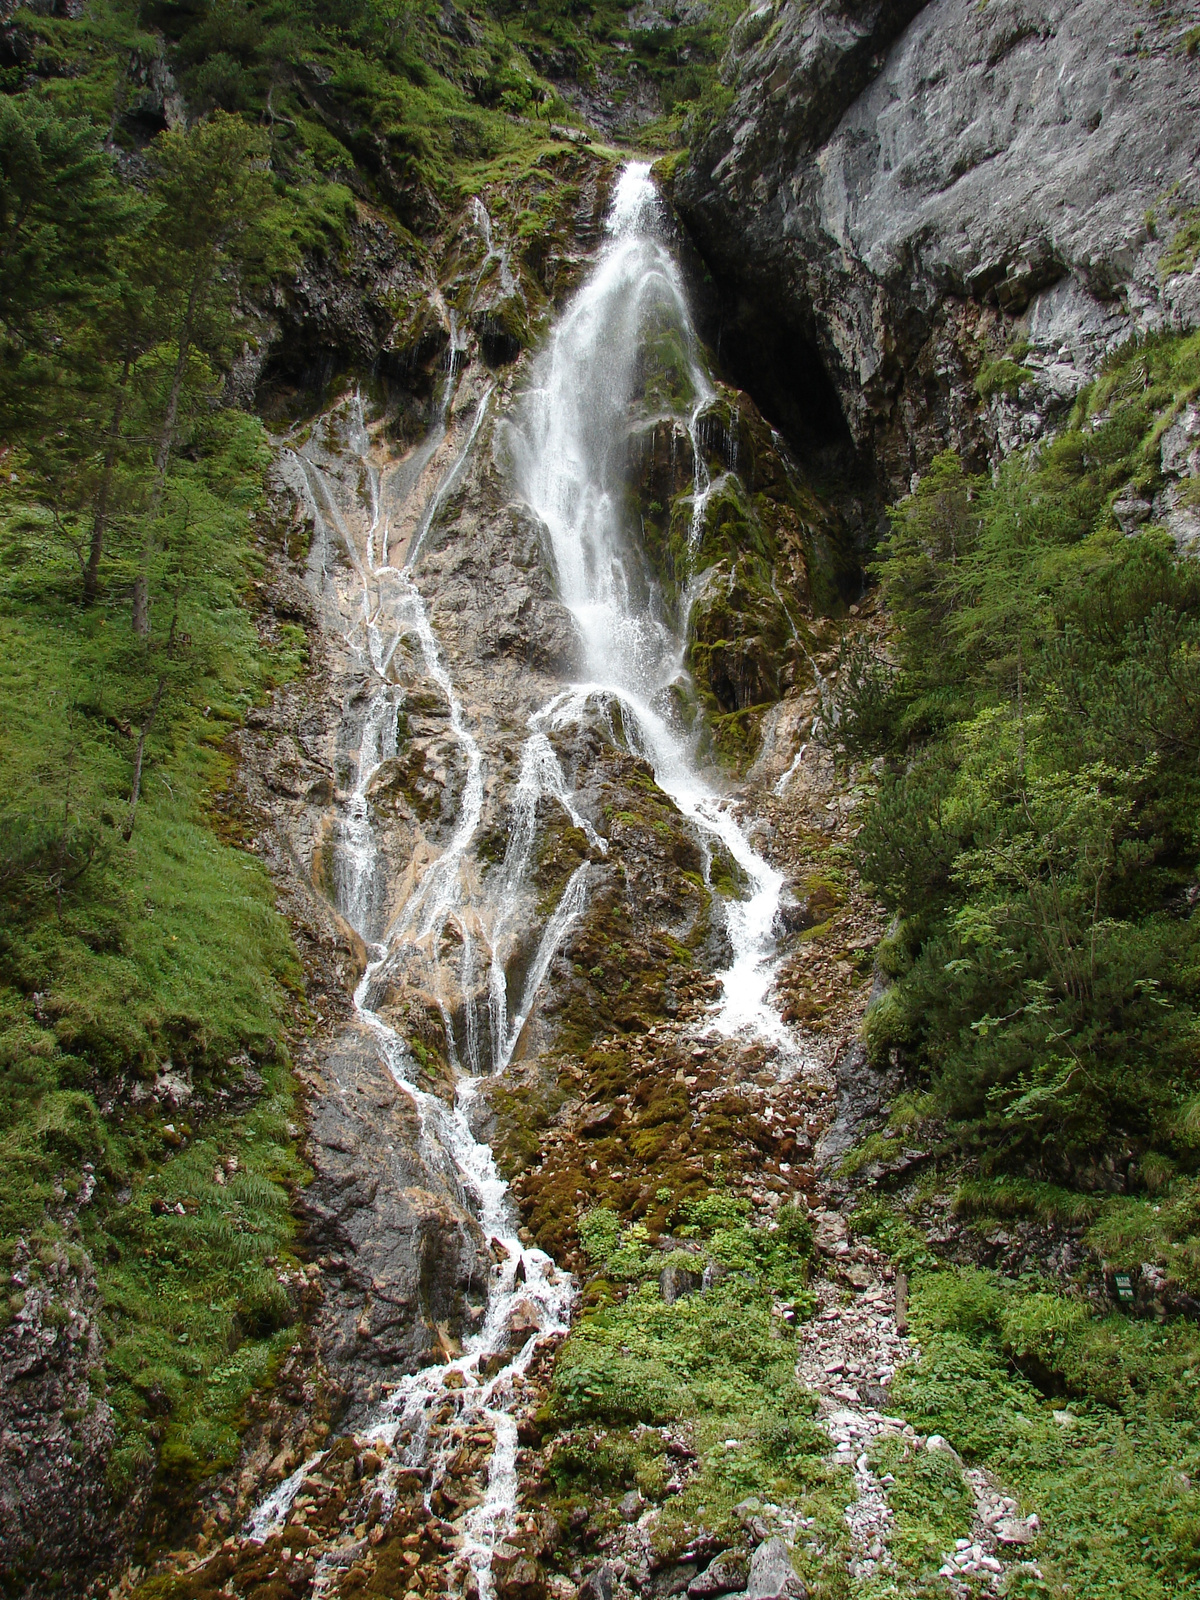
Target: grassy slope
x,y
122,959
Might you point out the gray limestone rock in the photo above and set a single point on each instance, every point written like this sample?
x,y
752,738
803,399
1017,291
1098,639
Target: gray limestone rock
x,y
406,1262
598,1585
893,180
772,1576
725,1575
674,1282
1131,511
630,1506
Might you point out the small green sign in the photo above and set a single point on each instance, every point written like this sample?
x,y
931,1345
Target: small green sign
x,y
1124,1286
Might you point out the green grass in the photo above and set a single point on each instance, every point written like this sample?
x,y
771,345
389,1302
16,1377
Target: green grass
x,y
195,1312
121,958
1091,1421
719,1363
1022,1197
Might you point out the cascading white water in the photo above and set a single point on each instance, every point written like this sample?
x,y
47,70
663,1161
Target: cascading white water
x,y
540,775
385,606
568,442
568,445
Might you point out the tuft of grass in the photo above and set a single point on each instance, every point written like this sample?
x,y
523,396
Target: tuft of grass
x,y
1002,376
1024,1197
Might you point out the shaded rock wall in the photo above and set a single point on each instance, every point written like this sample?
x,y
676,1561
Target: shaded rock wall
x,y
900,191
57,1513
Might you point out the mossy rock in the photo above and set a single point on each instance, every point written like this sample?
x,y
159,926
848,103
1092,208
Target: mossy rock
x,y
666,367
736,736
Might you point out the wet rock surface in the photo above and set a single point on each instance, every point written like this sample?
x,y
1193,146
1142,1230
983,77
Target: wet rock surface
x,y
404,1268
55,1438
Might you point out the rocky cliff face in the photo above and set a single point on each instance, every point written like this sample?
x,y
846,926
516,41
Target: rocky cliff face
x,y
902,195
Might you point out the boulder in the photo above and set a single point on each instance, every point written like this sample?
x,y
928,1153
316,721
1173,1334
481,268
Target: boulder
x,y
674,1282
725,1575
598,1585
1131,511
772,1576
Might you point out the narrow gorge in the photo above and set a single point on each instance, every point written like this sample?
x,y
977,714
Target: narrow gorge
x,y
601,705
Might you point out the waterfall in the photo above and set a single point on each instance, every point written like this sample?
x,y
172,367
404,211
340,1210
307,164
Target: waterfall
x,y
567,437
382,606
568,445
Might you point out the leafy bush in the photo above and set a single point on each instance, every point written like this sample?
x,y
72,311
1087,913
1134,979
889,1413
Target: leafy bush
x,y
1036,829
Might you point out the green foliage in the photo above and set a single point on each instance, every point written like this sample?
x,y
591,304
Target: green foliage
x,y
1036,827
893,1234
1023,1197
132,938
194,1310
718,1362
1003,376
932,1505
1180,255
646,1361
778,1256
1091,1421
680,58
599,1233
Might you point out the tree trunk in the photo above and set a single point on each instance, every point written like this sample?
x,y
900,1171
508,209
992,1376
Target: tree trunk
x,y
162,456
143,735
91,573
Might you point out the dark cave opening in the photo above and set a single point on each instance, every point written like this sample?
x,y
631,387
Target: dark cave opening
x,y
780,366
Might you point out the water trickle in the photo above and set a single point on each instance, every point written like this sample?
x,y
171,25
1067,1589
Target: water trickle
x,y
781,787
540,776
383,607
483,221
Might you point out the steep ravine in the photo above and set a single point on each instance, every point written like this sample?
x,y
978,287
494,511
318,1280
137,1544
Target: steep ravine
x,y
501,804
556,816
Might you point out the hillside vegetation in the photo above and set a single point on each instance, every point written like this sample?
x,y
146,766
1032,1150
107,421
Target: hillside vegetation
x,y
1034,833
1036,828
